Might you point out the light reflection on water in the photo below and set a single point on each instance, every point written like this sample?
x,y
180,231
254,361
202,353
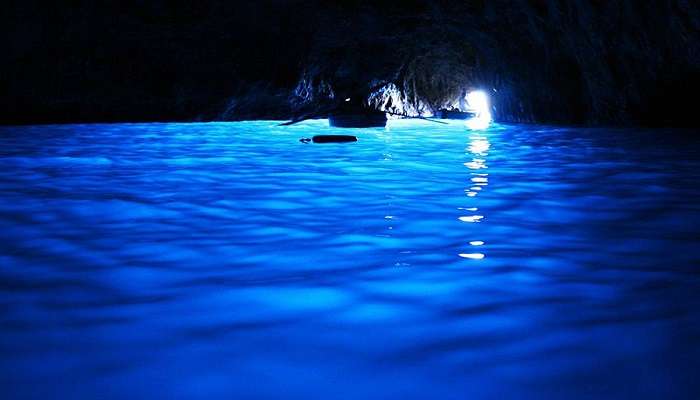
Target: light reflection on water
x,y
424,261
478,149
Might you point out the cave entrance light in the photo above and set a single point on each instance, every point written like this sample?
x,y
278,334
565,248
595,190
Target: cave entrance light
x,y
478,103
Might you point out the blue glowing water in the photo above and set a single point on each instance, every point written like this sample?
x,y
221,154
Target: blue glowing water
x,y
425,261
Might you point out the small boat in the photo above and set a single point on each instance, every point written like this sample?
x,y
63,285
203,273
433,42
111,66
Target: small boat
x,y
334,138
363,119
454,114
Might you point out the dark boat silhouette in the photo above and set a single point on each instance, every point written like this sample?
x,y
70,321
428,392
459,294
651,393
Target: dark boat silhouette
x,y
334,139
454,114
354,112
346,114
358,119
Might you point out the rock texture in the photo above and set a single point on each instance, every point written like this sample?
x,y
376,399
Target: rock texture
x,y
563,61
549,61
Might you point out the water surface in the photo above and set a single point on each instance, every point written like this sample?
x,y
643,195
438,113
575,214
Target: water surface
x,y
229,260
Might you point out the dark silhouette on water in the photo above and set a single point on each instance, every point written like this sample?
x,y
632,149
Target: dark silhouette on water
x,y
454,114
362,119
330,139
334,139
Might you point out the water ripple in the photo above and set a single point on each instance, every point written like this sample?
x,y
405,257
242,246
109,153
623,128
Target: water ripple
x,y
423,261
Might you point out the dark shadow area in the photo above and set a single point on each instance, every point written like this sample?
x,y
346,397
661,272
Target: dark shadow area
x,y
572,61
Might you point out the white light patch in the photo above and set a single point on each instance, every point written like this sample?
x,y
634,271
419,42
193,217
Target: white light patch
x,y
476,164
472,256
479,146
472,218
478,103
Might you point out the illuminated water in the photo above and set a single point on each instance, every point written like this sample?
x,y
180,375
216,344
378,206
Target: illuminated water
x,y
425,261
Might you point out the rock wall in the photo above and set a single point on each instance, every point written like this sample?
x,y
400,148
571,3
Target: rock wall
x,y
548,61
560,61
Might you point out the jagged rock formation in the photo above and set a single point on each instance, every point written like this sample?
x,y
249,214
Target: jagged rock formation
x,y
566,61
563,61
